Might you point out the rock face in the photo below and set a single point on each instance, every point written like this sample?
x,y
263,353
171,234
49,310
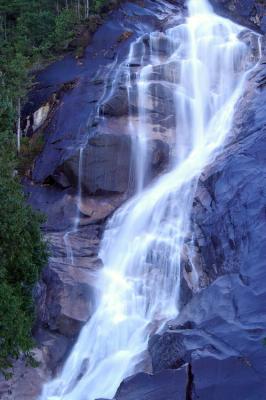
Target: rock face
x,y
66,297
82,84
107,163
246,12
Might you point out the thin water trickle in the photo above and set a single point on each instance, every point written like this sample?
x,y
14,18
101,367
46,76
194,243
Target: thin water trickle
x,y
74,229
201,72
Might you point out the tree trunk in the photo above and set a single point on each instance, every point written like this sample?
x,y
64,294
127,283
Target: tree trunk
x,y
78,9
57,7
19,127
87,8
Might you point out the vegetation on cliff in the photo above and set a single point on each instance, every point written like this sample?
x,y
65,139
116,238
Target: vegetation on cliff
x,y
30,30
22,254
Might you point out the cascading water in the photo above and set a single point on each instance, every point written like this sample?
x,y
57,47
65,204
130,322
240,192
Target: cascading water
x,y
204,69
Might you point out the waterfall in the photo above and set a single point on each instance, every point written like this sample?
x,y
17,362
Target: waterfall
x,y
201,74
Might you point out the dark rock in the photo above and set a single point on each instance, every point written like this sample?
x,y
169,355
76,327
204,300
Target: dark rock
x,y
66,295
124,36
166,385
158,154
224,345
167,351
66,304
107,163
263,24
61,206
55,348
231,379
250,13
117,105
42,105
160,102
185,294
99,208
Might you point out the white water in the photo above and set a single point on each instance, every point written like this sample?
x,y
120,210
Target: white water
x,y
142,246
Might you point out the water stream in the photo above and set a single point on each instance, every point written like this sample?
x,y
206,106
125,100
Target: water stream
x,y
201,73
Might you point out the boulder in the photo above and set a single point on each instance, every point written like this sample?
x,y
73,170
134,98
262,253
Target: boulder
x,y
66,301
167,351
166,385
117,105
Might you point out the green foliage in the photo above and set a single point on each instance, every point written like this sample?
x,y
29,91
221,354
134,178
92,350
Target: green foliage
x,y
30,148
22,255
14,327
64,28
97,4
22,249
